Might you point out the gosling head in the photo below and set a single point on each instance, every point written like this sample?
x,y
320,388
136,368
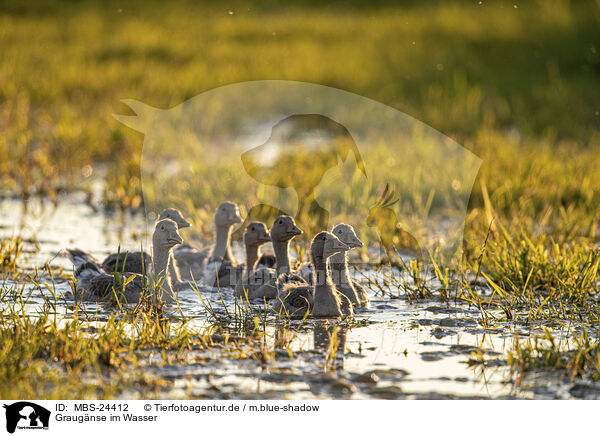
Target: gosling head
x,y
325,245
345,233
227,214
166,234
256,234
175,215
284,228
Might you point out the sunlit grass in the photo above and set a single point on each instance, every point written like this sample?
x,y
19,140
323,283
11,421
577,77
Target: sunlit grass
x,y
574,358
10,250
75,355
444,64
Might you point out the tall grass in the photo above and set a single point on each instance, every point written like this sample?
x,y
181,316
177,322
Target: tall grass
x,y
10,250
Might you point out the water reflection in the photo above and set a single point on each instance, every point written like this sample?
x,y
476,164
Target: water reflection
x,y
51,227
331,340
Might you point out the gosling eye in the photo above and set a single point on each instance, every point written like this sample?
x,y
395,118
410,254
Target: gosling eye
x,y
280,222
162,227
252,229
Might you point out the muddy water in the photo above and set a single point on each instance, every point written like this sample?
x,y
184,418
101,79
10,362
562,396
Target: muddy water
x,y
398,350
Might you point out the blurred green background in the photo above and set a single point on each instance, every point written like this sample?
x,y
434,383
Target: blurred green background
x,y
518,83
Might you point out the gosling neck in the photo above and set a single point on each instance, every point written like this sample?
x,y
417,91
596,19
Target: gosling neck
x,y
222,246
326,301
160,264
282,256
321,276
339,263
251,257
339,260
341,276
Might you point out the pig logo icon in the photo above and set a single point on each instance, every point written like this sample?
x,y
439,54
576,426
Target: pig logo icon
x,y
317,153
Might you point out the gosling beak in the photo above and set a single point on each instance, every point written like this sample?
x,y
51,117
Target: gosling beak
x,y
184,223
265,238
339,246
175,240
356,243
295,231
236,219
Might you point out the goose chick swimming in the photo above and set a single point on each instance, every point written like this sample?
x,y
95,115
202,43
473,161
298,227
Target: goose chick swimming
x,y
321,298
255,236
94,284
218,269
338,264
262,281
192,262
139,261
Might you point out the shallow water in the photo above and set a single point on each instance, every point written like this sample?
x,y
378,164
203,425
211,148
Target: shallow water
x,y
399,350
